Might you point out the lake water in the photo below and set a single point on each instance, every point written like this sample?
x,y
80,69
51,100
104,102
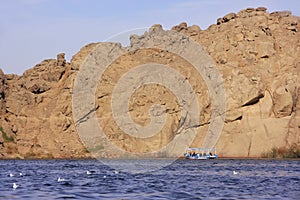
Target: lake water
x,y
184,179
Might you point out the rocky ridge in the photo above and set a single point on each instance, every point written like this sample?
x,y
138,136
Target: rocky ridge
x,y
256,52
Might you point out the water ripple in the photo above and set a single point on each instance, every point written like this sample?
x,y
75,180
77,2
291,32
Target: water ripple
x,y
184,179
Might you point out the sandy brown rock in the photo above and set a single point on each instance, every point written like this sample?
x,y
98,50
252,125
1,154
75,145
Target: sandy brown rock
x,y
259,60
38,113
256,52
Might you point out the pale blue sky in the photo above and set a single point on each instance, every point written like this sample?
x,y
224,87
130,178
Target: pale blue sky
x,y
34,30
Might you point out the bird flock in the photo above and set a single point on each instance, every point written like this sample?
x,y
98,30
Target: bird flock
x,y
15,185
59,179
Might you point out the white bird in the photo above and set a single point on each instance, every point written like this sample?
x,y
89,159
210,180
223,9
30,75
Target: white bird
x,y
235,172
116,172
20,174
15,186
11,175
104,176
60,179
88,172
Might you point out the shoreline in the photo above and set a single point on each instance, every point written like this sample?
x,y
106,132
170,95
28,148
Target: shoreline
x,y
161,158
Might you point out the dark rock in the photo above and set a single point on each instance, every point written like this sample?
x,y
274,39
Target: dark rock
x,y
261,9
180,27
229,17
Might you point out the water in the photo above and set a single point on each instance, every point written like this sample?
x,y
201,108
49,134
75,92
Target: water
x,y
184,179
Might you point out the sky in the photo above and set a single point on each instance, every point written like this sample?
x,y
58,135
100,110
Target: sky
x,y
34,30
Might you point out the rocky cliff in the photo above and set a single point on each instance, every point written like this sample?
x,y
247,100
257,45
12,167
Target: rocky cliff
x,y
256,52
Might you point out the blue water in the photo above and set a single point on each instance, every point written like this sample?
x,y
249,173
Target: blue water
x,y
184,179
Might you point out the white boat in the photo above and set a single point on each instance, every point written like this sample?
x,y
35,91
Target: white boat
x,y
200,153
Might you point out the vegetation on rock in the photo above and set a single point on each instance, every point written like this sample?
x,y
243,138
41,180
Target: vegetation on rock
x,y
5,137
283,152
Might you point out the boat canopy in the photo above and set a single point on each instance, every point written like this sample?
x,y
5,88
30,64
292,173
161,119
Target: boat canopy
x,y
202,149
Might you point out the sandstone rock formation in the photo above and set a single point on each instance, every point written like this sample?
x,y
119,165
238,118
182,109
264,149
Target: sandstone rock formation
x,y
256,52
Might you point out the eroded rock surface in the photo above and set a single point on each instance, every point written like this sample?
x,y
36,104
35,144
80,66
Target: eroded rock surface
x,y
256,52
